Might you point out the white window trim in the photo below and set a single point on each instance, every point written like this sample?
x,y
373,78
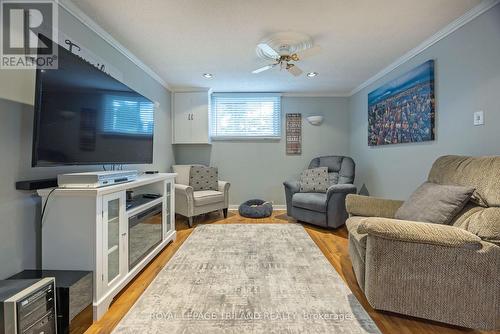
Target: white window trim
x,y
247,138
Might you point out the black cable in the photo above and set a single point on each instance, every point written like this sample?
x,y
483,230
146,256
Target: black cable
x,y
45,205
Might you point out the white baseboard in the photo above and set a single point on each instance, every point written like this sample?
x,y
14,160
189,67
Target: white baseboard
x,y
234,207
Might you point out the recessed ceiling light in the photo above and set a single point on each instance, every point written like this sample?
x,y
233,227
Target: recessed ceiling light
x,y
208,75
312,74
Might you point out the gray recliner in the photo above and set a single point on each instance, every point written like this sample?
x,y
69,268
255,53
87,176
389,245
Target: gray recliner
x,y
323,209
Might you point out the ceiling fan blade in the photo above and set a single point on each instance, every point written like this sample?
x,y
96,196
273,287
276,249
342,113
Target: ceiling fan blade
x,y
264,68
294,70
269,50
309,52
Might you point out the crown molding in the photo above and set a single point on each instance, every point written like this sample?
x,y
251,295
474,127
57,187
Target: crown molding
x,y
482,7
77,13
314,94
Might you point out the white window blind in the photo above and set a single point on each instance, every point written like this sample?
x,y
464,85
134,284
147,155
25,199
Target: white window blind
x,y
128,115
245,116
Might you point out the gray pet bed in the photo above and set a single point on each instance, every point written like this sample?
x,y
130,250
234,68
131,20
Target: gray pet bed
x,y
256,208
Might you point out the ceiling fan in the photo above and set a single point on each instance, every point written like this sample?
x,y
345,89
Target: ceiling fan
x,y
285,57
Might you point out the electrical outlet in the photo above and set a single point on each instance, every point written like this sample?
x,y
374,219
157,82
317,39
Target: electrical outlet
x,y
479,117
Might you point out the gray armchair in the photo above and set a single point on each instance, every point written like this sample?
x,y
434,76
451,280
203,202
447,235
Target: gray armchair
x,y
323,209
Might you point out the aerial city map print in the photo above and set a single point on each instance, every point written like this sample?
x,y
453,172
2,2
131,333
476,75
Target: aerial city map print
x,y
402,111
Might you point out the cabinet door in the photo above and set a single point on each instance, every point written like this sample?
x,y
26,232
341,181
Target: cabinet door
x,y
199,112
182,118
114,237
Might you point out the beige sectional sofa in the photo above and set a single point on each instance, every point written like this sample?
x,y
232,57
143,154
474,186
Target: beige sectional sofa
x,y
447,273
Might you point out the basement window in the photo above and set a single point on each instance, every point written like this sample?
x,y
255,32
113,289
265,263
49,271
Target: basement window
x,y
237,116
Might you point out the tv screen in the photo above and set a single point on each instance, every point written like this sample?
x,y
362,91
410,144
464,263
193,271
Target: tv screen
x,y
83,116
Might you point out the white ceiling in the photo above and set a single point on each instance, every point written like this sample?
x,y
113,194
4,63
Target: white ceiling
x,y
182,39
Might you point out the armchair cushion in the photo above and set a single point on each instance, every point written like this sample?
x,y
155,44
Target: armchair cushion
x,y
358,205
417,232
310,201
435,203
204,197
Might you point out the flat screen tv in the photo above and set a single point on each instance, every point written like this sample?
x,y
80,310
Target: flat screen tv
x,y
83,116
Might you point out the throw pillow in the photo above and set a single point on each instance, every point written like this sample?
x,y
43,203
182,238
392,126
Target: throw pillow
x,y
314,180
204,178
435,203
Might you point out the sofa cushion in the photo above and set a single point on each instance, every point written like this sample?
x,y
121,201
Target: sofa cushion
x,y
204,197
315,180
310,201
483,222
204,178
434,203
482,173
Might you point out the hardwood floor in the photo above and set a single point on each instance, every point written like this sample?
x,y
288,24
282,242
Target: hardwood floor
x,y
332,243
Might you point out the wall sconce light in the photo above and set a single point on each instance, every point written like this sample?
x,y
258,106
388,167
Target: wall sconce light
x,y
315,120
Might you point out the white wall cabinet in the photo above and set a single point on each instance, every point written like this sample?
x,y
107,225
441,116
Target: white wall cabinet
x,y
190,114
98,230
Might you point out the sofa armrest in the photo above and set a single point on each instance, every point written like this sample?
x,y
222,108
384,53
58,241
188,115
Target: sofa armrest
x,y
434,282
417,232
358,205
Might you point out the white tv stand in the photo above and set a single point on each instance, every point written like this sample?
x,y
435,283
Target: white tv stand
x,y
88,229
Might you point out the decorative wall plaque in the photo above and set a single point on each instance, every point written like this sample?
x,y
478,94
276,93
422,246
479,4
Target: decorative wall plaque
x,y
294,134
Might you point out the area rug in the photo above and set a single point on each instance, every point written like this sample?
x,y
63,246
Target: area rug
x,y
247,278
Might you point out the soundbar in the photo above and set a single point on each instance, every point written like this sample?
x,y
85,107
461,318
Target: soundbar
x,y
36,184
95,179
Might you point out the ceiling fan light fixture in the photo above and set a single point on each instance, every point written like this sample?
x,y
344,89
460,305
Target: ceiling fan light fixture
x,y
312,74
208,75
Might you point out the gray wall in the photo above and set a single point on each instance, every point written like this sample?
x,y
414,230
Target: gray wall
x,y
467,78
19,209
257,169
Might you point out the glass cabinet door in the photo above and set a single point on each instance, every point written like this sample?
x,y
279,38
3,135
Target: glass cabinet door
x,y
113,235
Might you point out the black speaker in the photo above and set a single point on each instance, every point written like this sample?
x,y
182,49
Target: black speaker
x,y
36,184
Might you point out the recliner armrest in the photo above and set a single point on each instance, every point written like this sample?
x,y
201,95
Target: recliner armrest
x,y
418,232
346,188
292,185
358,205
